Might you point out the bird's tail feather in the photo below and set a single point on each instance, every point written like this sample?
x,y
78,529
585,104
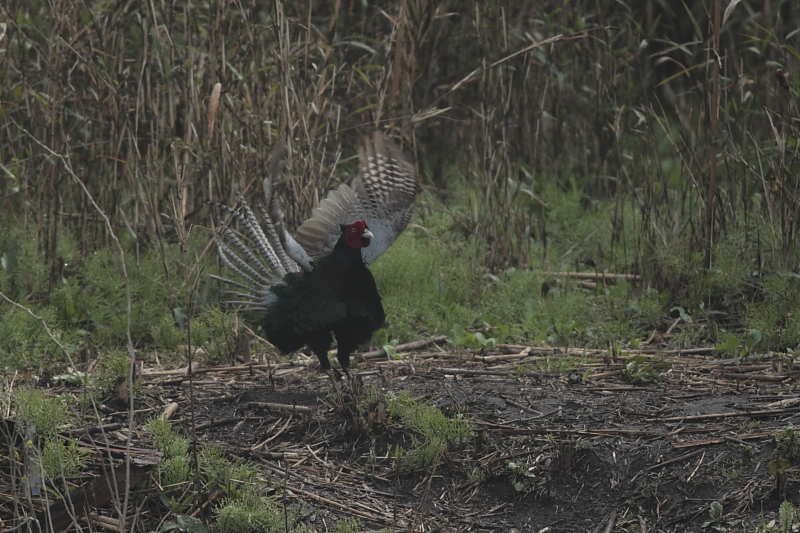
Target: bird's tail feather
x,y
295,254
274,238
260,265
245,260
256,233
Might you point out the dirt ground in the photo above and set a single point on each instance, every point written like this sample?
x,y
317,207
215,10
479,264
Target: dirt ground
x,y
583,450
640,442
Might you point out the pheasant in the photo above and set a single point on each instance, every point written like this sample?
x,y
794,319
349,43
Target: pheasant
x,y
315,285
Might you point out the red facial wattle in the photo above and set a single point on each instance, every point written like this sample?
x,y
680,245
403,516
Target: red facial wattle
x,y
358,235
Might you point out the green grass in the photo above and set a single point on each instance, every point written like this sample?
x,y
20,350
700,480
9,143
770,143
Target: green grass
x,y
245,505
433,281
433,432
429,284
47,413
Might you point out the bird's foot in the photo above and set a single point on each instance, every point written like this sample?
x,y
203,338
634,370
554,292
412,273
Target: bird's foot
x,y
355,382
339,386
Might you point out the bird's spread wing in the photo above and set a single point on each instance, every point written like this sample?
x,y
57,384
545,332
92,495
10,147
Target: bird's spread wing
x,y
383,194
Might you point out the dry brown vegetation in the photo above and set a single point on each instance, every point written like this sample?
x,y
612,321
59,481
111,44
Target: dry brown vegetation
x,y
625,102
676,124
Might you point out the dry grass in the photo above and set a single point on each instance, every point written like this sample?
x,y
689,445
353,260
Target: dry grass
x,y
678,125
624,106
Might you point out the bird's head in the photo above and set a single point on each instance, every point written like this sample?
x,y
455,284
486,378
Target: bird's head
x,y
357,235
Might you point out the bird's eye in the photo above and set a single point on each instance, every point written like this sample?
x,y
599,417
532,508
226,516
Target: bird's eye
x,y
353,230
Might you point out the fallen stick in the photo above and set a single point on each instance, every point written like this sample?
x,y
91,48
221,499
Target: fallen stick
x,y
756,377
222,422
91,430
718,440
104,521
675,460
333,503
594,275
241,368
279,456
467,372
764,412
169,411
564,432
284,406
407,347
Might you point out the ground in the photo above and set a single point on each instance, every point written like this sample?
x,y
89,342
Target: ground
x,y
577,450
635,442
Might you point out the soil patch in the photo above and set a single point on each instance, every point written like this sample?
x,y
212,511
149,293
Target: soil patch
x,y
583,450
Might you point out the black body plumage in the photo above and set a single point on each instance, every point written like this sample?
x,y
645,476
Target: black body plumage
x,y
337,296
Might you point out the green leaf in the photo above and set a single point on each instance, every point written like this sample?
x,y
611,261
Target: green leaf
x,y
698,33
778,466
391,353
683,314
731,344
753,338
792,50
356,44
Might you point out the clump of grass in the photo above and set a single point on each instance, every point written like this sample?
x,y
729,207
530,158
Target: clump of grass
x,y
448,292
24,340
254,512
774,313
166,334
431,296
103,281
175,468
787,444
787,516
347,525
48,414
433,431
166,439
642,371
651,307
232,477
221,332
214,329
555,364
23,272
245,506
63,459
113,366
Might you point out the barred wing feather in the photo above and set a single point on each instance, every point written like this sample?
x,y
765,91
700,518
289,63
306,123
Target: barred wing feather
x,y
383,194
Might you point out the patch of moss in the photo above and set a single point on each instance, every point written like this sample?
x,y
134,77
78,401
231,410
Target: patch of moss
x,y
433,431
48,414
63,459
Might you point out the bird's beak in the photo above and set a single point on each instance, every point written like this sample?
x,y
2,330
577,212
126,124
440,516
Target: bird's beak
x,y
367,234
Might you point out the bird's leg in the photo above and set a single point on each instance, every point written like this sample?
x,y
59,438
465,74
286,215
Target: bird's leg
x,y
331,375
351,381
343,355
319,342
